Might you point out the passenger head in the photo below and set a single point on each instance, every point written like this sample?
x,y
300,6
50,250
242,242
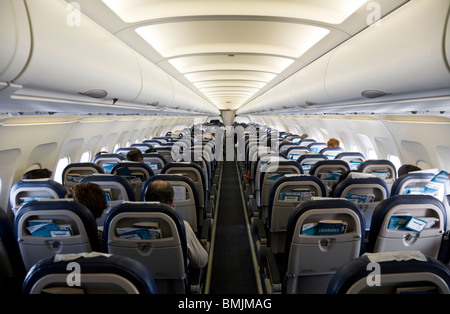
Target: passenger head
x,y
332,142
160,191
135,155
303,136
151,150
90,195
407,168
100,152
37,174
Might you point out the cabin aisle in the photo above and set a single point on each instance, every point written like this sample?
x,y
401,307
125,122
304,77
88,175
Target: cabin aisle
x,y
232,270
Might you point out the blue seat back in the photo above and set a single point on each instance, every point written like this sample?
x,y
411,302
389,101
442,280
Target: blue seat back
x,y
268,174
135,172
382,168
108,161
75,172
293,153
354,159
193,171
308,160
313,253
331,152
367,192
329,172
165,254
316,147
27,190
83,236
285,194
155,161
389,232
116,187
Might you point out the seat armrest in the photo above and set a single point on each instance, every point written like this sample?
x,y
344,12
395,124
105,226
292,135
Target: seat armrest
x,y
262,233
252,209
210,208
205,233
196,280
272,278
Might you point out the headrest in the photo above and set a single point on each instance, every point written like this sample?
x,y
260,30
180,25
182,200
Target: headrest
x,y
398,256
132,164
117,157
431,183
350,154
312,156
359,175
93,263
331,149
389,263
155,155
301,178
83,165
368,181
172,165
378,163
40,183
330,162
103,179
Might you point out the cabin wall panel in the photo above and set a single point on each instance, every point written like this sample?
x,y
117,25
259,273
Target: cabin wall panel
x,y
43,143
419,141
40,154
443,154
10,164
372,129
32,140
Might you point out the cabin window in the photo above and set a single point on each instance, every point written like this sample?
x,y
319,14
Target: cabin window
x,y
62,163
33,167
116,147
86,157
422,164
371,154
395,160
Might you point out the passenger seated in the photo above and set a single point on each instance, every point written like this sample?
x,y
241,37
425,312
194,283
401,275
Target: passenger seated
x,y
332,142
93,197
407,168
162,191
37,174
135,155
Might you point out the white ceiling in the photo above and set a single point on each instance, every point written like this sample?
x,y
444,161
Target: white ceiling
x,y
231,51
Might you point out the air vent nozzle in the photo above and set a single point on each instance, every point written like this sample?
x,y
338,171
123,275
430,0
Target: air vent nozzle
x,y
373,94
96,93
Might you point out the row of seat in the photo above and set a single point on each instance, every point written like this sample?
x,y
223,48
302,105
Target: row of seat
x,y
337,283
283,200
165,257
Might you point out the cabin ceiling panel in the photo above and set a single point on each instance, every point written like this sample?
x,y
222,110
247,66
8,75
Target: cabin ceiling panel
x,y
218,44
